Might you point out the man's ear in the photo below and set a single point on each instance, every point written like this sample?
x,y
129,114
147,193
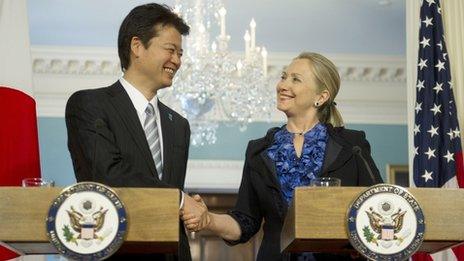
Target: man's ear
x,y
136,46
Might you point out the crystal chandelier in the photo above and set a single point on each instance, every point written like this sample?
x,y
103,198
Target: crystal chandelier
x,y
214,84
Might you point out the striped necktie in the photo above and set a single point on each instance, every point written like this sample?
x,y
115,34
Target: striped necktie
x,y
151,132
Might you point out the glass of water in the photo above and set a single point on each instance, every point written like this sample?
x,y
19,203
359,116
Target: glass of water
x,y
326,182
37,182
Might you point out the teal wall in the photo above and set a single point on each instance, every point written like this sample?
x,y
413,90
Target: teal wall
x,y
388,143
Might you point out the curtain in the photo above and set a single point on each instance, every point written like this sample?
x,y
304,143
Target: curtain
x,y
453,23
15,62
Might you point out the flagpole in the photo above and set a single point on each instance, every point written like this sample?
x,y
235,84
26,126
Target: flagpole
x,y
412,47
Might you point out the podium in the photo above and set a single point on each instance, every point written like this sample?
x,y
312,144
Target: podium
x,y
316,220
152,217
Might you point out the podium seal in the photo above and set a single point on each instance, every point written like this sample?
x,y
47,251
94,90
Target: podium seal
x,y
385,222
87,221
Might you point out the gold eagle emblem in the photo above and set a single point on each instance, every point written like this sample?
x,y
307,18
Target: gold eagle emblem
x,y
379,222
90,223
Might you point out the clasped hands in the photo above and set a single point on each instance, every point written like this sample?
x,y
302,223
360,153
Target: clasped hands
x,y
195,213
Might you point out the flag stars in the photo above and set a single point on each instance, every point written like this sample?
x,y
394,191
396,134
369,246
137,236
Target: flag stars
x,y
454,133
418,107
428,21
457,134
438,87
420,85
422,63
433,131
436,109
440,65
451,134
430,153
449,156
417,129
427,176
433,157
425,42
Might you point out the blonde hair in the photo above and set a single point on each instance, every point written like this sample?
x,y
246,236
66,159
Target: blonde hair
x,y
327,78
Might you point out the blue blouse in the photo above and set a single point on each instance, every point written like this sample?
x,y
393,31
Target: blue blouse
x,y
294,171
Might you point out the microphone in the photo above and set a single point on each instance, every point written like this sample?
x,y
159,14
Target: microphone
x,y
358,151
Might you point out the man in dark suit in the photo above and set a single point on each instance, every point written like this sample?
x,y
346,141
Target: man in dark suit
x,y
122,135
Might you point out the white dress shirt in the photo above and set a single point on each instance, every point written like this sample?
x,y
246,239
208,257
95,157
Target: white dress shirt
x,y
140,104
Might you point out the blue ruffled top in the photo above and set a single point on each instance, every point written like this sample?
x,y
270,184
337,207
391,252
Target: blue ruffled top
x,y
294,171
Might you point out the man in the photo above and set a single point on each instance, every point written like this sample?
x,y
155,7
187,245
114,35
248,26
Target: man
x,y
122,135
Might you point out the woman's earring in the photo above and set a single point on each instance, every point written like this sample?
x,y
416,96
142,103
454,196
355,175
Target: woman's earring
x,y
316,104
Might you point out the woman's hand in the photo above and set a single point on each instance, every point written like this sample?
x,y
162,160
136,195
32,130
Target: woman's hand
x,y
198,217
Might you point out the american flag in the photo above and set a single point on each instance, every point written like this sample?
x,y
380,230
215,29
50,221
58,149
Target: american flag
x,y
438,160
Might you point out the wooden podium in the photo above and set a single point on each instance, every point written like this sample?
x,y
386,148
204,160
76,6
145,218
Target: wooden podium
x,y
152,214
316,220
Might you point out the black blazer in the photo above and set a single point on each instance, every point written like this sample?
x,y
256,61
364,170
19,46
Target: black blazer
x,y
260,198
108,144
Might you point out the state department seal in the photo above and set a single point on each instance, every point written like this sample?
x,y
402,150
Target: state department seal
x,y
87,221
385,222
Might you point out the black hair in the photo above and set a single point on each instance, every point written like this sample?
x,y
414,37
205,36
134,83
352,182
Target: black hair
x,y
142,22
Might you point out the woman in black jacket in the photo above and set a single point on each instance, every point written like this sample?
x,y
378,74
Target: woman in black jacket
x,y
312,144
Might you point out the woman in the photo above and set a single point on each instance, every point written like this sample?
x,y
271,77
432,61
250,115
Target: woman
x,y
312,144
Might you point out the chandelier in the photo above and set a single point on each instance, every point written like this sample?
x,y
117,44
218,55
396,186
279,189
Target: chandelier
x,y
213,84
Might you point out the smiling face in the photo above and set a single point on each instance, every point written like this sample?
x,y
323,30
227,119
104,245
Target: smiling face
x,y
297,91
160,60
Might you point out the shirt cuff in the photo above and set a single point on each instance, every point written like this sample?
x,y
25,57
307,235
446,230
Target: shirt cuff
x,y
181,199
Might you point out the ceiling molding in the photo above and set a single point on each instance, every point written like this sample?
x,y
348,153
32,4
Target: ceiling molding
x,y
373,86
105,61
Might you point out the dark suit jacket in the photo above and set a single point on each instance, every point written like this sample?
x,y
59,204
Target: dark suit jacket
x,y
108,144
260,197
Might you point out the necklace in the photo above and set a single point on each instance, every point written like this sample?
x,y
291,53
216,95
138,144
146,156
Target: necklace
x,y
297,133
301,133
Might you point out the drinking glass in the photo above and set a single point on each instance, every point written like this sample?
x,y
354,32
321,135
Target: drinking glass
x,y
37,182
326,182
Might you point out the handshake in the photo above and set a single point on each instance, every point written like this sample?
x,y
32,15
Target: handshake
x,y
195,213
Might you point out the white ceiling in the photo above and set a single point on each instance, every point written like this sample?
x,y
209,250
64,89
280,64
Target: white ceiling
x,y
327,26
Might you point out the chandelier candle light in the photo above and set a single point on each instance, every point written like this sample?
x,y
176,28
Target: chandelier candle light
x,y
213,84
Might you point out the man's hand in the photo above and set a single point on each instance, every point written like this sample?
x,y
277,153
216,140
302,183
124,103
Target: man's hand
x,y
195,213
